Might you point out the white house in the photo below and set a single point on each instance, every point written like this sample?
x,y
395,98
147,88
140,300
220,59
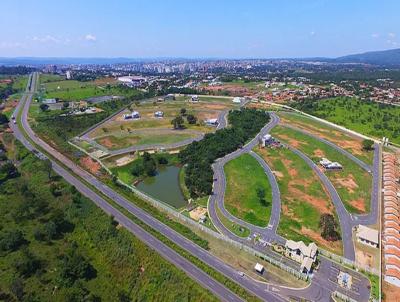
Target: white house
x,y
159,114
329,165
237,100
301,253
132,81
132,115
266,140
194,98
211,122
49,101
367,236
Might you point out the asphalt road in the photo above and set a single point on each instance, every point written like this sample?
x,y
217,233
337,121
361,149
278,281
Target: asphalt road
x,y
345,219
265,292
319,290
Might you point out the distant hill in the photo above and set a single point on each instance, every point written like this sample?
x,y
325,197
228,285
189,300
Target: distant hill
x,y
389,57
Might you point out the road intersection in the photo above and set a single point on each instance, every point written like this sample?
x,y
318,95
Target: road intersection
x,y
319,290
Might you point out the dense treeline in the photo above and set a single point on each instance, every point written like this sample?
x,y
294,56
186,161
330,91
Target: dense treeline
x,y
199,156
56,245
7,90
12,70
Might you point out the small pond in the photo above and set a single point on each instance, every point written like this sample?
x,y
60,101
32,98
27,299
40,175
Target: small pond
x,y
164,186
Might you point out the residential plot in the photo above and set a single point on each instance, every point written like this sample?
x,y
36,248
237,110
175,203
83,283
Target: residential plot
x,y
154,123
248,192
303,198
346,141
352,182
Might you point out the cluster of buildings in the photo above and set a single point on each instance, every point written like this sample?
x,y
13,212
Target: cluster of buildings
x,y
304,254
329,165
132,81
283,92
391,219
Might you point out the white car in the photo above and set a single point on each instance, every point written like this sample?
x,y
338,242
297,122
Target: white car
x,y
241,274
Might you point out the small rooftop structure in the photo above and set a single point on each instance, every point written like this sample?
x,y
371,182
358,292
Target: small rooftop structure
x,y
367,236
345,280
259,268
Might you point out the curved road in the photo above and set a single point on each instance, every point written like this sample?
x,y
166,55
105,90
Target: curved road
x,y
318,291
256,288
372,216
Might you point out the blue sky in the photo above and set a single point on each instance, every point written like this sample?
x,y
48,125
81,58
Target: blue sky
x,y
217,28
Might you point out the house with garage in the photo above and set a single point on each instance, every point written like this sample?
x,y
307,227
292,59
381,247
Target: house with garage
x,y
301,253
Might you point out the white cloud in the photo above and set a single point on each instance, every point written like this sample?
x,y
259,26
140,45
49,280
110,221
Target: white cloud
x,y
375,35
391,35
312,33
11,45
45,39
90,37
392,43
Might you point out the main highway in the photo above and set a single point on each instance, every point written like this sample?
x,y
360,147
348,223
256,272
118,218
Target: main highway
x,y
74,175
319,290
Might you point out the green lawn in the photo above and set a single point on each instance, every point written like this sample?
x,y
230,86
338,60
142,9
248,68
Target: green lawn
x,y
233,227
71,90
46,78
244,175
369,118
303,197
113,142
338,137
352,183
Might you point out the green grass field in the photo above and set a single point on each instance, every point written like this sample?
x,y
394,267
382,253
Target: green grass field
x,y
369,118
340,138
71,90
352,183
302,195
232,226
244,175
113,142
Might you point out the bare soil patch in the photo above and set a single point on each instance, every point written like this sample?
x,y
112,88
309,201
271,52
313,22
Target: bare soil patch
x,y
91,165
333,245
348,183
320,204
358,204
391,292
319,153
294,142
364,258
106,142
278,174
